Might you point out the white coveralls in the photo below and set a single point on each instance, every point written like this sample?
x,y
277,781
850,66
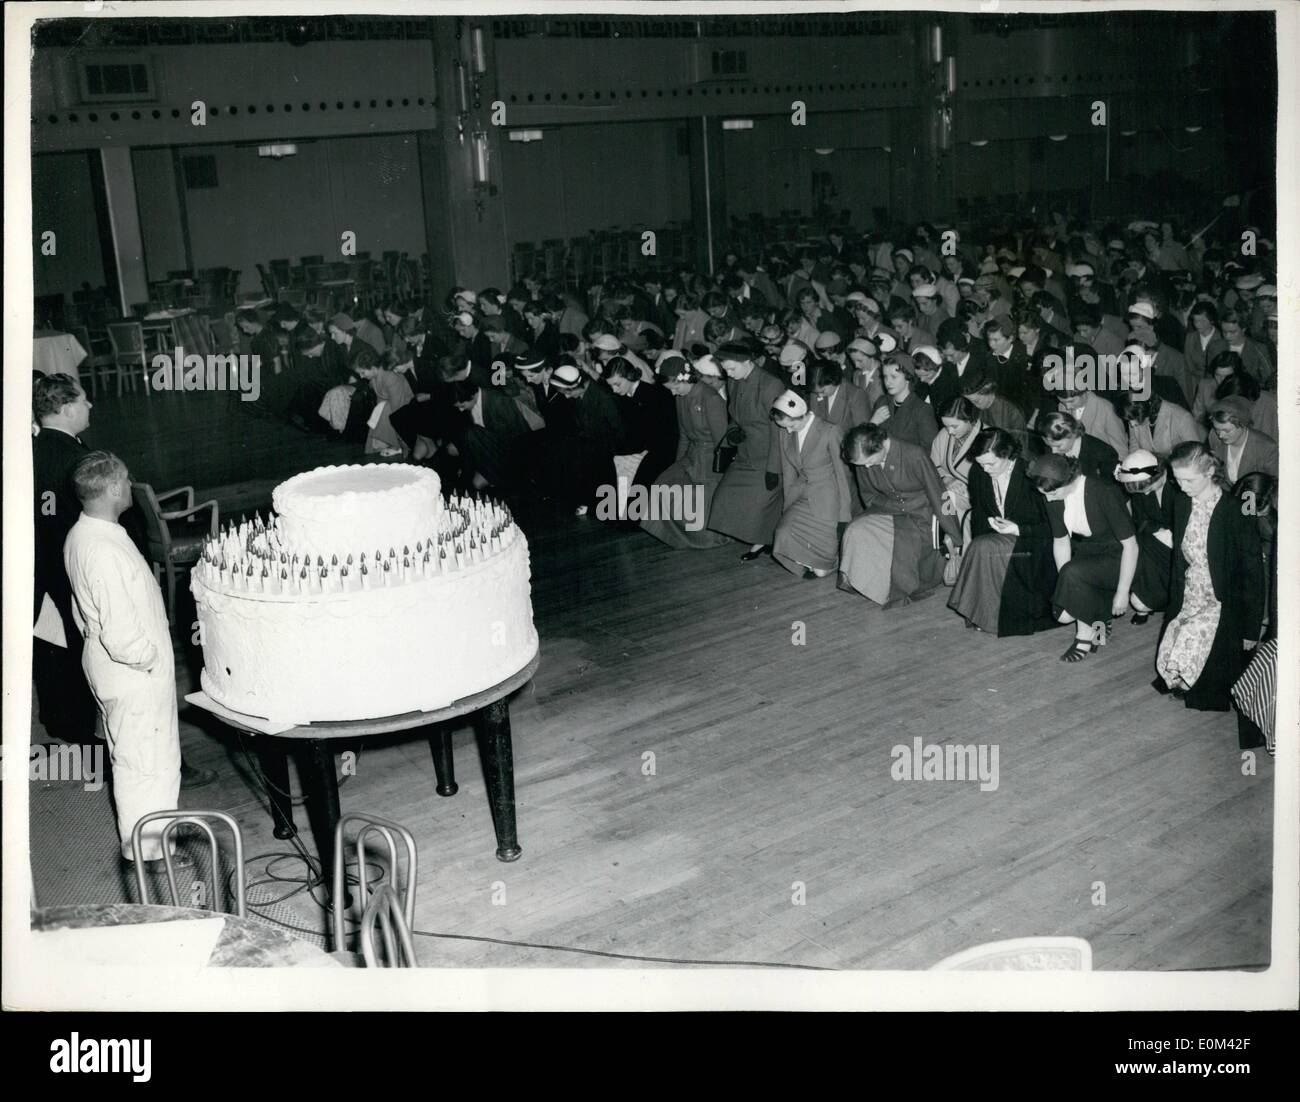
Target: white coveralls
x,y
129,663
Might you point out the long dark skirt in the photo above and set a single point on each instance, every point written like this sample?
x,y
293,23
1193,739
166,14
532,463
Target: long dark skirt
x,y
1151,579
1086,587
1005,586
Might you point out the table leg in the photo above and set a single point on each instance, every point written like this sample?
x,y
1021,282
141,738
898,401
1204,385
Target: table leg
x,y
443,765
320,787
492,726
274,760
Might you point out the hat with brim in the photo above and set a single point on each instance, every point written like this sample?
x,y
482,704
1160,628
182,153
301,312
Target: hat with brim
x,y
607,342
1142,310
343,322
528,361
828,340
928,352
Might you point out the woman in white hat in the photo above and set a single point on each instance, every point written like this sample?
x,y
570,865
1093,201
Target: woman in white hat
x,y
702,423
1151,502
815,489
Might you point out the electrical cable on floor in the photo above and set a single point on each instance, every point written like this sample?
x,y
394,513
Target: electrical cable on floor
x,y
316,878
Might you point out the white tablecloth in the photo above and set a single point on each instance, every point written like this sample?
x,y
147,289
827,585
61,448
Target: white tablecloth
x,y
57,352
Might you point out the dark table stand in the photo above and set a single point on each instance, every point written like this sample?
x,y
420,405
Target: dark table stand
x,y
491,712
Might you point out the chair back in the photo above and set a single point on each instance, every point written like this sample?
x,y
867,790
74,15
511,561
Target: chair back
x,y
200,819
1022,954
385,828
127,338
385,910
157,535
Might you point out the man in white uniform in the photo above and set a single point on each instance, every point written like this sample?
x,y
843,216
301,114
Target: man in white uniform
x,y
128,649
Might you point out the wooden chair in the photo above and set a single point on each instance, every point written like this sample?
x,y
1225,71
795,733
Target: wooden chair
x,y
95,363
168,550
130,358
201,820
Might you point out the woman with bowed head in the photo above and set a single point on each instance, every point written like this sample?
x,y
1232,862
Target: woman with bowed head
x,y
1155,425
747,504
1064,436
815,488
890,553
1094,546
1151,493
910,417
1007,571
1216,592
702,423
951,455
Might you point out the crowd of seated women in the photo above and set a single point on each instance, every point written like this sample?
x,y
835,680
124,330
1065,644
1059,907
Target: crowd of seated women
x,y
890,413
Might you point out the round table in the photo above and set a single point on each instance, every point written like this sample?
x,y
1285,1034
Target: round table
x,y
491,711
243,943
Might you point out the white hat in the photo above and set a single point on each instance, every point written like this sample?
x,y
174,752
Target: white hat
x,y
988,266
1143,310
905,252
607,342
707,365
1249,280
857,296
1075,271
1266,291
965,280
790,404
566,377
861,344
468,295
925,290
1137,466
886,341
929,352
829,339
1016,272
793,352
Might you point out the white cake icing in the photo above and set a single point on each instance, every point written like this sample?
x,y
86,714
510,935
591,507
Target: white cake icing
x,y
366,597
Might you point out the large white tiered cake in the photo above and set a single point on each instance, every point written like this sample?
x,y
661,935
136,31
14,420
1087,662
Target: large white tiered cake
x,y
366,596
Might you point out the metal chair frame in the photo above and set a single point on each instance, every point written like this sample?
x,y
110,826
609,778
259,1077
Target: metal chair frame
x,y
200,820
385,909
385,828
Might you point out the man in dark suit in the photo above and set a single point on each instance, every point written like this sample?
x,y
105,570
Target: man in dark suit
x,y
60,408
489,446
650,415
965,366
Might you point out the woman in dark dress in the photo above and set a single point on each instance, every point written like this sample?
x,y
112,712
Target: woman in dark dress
x,y
1094,546
1007,573
1151,494
702,423
910,417
1216,594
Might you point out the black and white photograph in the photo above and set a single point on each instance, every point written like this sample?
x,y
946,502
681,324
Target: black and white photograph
x,y
661,506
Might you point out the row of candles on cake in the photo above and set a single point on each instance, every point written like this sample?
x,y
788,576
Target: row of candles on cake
x,y
249,557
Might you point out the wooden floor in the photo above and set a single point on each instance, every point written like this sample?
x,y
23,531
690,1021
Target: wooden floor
x,y
1120,816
